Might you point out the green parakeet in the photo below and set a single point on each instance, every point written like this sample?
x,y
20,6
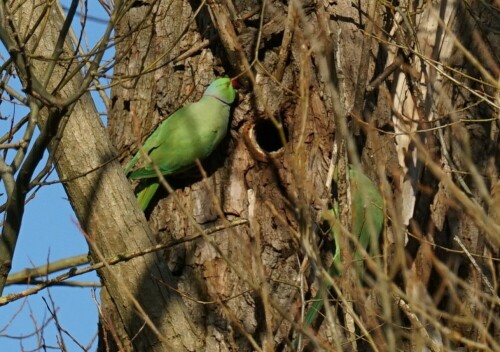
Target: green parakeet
x,y
367,214
190,133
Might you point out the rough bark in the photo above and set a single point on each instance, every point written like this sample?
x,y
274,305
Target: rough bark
x,y
273,193
238,286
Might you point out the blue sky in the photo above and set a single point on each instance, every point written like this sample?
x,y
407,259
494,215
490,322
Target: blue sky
x,y
49,233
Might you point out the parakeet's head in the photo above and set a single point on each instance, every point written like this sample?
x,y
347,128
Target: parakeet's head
x,y
222,89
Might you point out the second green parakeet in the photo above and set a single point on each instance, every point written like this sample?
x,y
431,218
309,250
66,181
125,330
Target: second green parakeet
x,y
367,215
192,132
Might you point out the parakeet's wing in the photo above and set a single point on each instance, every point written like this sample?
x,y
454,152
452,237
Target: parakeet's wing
x,y
191,133
367,209
152,142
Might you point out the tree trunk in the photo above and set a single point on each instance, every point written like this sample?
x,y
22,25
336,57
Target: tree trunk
x,y
244,286
102,199
279,193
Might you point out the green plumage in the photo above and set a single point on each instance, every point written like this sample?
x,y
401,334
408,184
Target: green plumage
x,y
190,133
367,213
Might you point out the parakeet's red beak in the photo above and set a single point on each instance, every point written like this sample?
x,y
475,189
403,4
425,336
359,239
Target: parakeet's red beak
x,y
235,83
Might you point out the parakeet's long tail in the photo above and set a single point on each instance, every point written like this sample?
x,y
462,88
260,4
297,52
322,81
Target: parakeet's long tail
x,y
146,194
317,305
